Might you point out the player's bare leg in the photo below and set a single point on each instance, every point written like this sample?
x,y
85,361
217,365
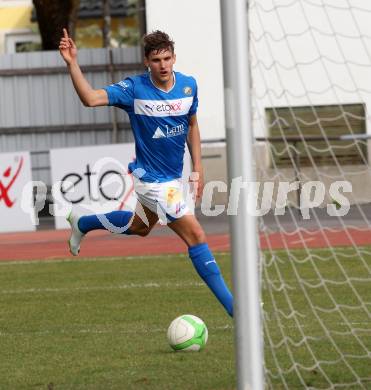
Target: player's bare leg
x,y
125,222
189,230
141,225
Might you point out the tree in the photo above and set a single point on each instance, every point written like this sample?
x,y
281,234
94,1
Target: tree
x,y
52,17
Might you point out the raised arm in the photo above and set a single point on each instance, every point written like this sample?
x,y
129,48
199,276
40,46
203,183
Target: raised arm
x,y
194,146
89,97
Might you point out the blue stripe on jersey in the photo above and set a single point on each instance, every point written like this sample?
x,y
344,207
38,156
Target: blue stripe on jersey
x,y
159,121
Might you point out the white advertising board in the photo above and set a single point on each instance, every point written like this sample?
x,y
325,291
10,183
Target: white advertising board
x,y
94,180
15,194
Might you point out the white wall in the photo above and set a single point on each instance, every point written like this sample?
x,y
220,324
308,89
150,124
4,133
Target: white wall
x,y
195,27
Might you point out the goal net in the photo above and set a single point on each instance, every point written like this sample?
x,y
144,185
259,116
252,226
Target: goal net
x,y
311,92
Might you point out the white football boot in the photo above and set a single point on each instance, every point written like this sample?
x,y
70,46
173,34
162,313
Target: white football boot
x,y
76,234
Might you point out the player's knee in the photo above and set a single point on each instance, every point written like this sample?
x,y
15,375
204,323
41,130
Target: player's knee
x,y
144,232
198,236
141,231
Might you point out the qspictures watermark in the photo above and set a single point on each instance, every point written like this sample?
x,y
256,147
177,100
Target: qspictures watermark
x,y
263,197
259,198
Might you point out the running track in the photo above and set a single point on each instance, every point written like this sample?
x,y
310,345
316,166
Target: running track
x,y
52,244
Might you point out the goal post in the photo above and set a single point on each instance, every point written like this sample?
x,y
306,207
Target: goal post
x,y
248,332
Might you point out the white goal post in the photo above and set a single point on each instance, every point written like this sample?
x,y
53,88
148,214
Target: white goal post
x,y
248,334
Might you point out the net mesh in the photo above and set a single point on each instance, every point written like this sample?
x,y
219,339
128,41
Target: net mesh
x,y
311,86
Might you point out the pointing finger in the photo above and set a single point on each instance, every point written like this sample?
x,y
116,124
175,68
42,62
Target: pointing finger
x,y
65,33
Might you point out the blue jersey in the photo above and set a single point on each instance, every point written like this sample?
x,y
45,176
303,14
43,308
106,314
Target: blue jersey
x,y
159,121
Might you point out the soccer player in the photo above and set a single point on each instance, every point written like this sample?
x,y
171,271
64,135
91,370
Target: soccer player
x,y
162,106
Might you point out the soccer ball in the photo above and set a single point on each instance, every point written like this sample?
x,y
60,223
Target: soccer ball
x,y
187,333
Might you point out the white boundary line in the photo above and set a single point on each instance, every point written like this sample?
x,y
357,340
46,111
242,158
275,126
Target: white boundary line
x,y
99,259
125,286
105,331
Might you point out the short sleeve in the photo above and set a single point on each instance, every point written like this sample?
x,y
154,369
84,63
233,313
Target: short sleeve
x,y
121,94
194,105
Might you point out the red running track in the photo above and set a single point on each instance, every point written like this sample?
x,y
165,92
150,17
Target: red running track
x,y
52,244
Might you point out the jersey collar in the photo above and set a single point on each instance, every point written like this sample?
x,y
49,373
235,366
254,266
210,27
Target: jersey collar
x,y
162,90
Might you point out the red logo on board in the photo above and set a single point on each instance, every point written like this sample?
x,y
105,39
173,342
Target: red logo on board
x,y
9,178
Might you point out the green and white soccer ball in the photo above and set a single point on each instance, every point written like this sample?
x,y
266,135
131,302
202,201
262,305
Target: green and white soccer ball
x,y
187,333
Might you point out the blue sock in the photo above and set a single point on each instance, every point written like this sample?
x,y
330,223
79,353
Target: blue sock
x,y
117,219
208,269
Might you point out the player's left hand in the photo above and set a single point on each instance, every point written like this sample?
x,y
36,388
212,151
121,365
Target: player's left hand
x,y
197,183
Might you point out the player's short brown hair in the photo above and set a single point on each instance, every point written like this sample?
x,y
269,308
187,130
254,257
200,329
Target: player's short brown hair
x,y
157,41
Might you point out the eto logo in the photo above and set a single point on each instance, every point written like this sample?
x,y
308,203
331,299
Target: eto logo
x,y
165,107
7,180
77,187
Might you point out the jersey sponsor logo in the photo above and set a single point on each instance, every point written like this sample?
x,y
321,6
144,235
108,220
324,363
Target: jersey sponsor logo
x,y
170,131
163,108
174,131
159,133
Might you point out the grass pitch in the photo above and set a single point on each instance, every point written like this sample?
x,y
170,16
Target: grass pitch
x,y
101,323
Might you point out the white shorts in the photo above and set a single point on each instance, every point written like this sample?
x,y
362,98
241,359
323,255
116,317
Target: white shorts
x,y
168,200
